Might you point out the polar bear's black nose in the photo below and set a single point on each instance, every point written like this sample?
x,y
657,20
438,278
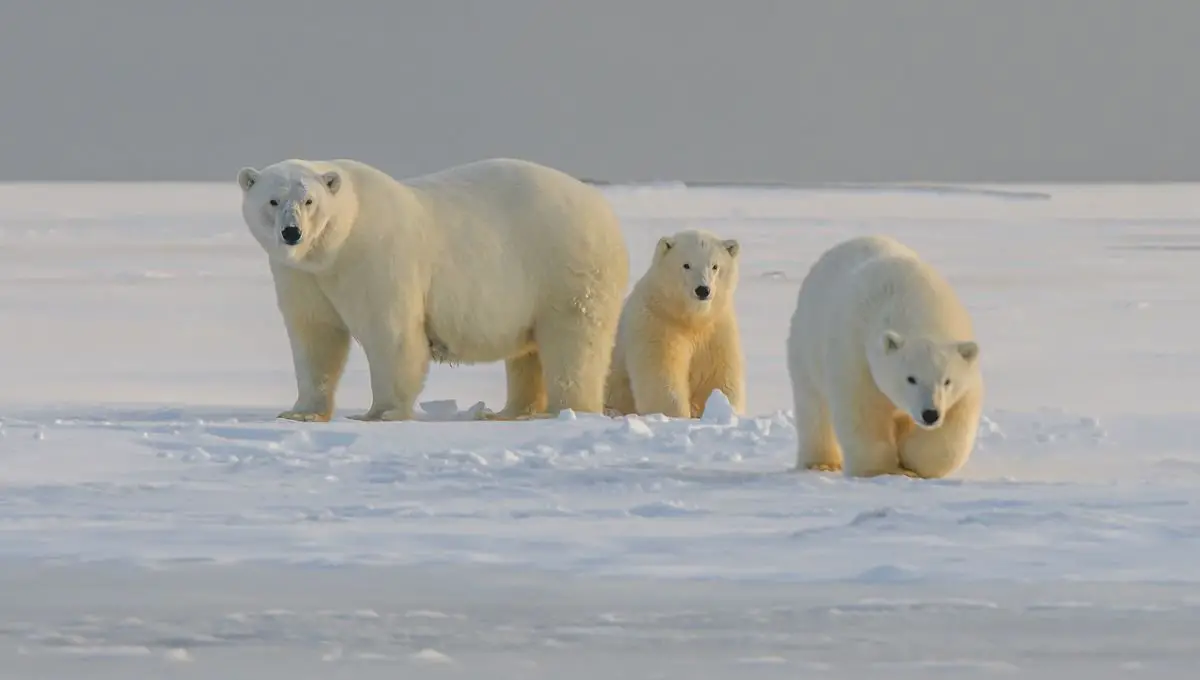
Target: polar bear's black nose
x,y
930,416
703,292
291,235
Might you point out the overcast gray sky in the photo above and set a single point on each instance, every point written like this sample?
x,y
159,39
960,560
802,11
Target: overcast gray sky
x,y
721,90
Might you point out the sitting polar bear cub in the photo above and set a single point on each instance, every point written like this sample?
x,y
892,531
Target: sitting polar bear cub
x,y
498,260
884,366
678,336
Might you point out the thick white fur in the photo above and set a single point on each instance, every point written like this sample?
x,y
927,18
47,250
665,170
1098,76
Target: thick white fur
x,y
869,315
497,260
673,349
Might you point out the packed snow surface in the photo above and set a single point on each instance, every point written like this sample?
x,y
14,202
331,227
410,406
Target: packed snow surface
x,y
156,519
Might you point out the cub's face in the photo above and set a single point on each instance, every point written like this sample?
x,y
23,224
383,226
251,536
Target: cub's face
x,y
922,377
696,269
288,208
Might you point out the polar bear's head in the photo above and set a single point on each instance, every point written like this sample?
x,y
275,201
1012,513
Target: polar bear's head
x,y
923,377
290,207
696,270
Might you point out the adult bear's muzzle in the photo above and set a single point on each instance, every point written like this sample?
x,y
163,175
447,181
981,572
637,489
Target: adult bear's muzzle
x,y
291,234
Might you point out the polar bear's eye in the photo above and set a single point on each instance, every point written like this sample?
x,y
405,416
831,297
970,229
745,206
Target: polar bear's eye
x,y
274,202
687,266
947,383
308,202
912,380
714,267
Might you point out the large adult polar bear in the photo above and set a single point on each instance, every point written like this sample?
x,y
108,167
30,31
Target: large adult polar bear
x,y
496,260
884,365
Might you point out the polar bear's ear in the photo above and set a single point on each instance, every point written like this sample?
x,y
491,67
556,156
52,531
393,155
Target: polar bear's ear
x,y
247,177
892,341
968,350
664,244
332,181
731,246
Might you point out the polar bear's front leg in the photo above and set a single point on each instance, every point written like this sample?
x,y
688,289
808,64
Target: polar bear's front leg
x,y
817,446
865,430
723,369
319,352
618,393
867,450
398,368
319,340
658,375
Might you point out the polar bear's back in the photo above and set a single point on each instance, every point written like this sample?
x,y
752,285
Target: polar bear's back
x,y
834,286
501,212
862,286
512,191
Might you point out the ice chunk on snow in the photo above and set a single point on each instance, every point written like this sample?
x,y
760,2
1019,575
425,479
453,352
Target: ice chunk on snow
x,y
718,410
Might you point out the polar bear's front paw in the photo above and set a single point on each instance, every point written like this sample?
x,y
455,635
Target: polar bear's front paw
x,y
824,467
374,416
304,416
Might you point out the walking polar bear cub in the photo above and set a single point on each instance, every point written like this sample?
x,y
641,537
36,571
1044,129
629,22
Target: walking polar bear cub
x,y
678,337
497,260
883,363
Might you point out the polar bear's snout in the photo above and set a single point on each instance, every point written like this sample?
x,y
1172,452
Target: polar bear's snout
x,y
289,223
927,412
291,234
703,292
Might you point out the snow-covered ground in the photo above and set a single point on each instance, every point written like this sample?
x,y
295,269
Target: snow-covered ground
x,y
156,521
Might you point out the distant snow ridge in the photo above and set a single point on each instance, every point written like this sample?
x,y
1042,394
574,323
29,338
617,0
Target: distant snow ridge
x,y
969,190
